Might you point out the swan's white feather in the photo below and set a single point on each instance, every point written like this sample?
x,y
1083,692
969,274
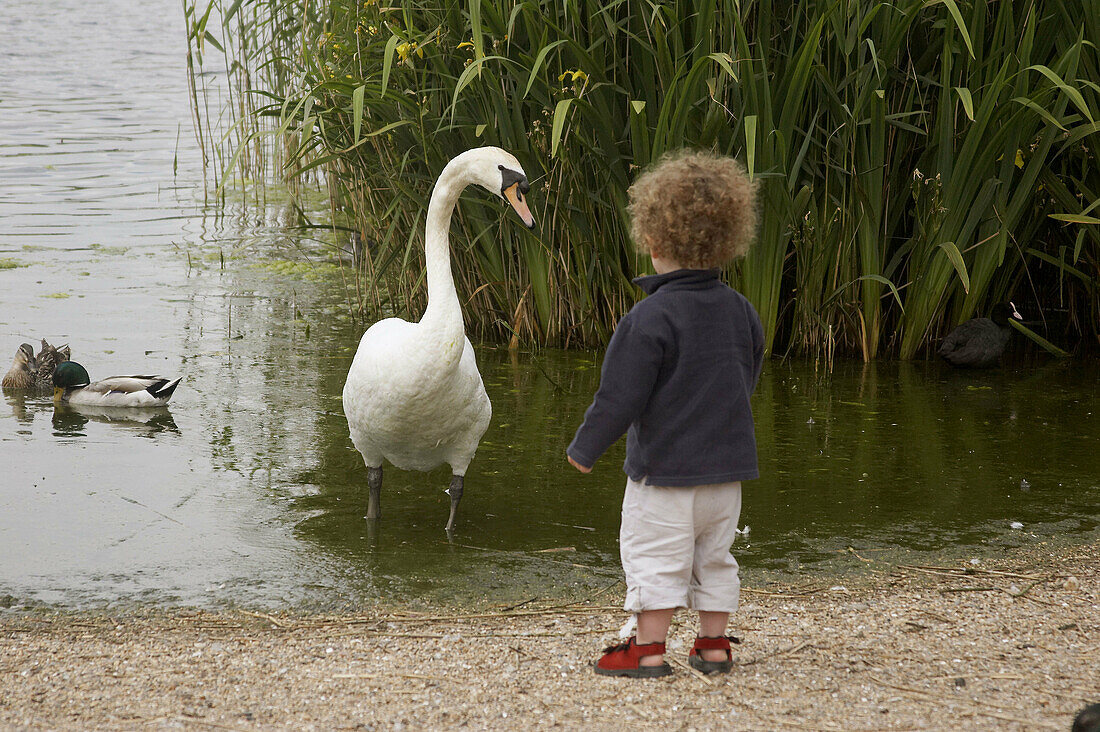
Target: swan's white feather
x,y
415,406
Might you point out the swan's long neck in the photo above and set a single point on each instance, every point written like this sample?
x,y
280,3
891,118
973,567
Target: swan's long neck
x,y
444,313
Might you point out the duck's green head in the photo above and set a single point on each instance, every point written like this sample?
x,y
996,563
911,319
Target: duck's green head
x,y
67,375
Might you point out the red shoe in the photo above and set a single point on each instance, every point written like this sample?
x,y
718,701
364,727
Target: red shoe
x,y
623,660
695,659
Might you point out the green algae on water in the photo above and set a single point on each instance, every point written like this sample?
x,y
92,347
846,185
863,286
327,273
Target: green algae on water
x,y
297,268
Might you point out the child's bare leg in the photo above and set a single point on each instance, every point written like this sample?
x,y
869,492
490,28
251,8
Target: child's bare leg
x,y
711,625
653,628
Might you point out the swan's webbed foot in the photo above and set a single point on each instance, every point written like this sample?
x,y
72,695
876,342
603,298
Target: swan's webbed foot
x,y
374,483
455,492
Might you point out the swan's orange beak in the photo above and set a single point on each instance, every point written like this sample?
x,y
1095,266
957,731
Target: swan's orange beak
x,y
519,203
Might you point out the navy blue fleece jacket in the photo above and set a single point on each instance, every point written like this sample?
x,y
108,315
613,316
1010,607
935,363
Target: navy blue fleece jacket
x,y
677,378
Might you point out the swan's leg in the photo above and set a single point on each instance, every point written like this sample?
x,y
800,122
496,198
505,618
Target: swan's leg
x,y
455,492
374,483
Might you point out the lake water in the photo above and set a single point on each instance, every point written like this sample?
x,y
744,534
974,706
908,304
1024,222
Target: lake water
x,y
247,491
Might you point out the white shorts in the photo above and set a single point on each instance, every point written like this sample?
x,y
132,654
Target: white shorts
x,y
675,547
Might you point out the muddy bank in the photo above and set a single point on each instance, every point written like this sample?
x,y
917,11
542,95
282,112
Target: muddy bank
x,y
1009,644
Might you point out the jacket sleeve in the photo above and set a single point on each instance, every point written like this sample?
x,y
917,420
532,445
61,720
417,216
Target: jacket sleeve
x,y
629,373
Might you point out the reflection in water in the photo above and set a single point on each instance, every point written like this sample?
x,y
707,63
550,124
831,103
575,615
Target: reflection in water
x,y
924,457
70,419
17,400
68,423
518,501
259,496
888,458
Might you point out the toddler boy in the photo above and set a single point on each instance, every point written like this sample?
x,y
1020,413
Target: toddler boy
x,y
677,378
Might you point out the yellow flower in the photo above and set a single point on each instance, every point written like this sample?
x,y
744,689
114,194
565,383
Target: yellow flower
x,y
404,49
1019,158
466,44
577,75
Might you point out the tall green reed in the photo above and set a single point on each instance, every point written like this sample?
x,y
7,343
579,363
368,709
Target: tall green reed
x,y
918,160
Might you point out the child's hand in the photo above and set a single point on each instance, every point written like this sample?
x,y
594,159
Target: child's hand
x,y
578,466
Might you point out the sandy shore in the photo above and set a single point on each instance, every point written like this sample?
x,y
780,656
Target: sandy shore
x,y
1012,644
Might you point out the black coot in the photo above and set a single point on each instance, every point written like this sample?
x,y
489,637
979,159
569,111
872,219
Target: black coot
x,y
979,343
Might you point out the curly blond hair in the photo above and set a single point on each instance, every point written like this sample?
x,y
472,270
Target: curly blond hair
x,y
694,207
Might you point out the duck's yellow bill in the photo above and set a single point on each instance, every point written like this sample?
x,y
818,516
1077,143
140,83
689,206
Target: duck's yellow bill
x,y
520,205
58,392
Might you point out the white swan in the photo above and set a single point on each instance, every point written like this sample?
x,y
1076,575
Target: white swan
x,y
413,395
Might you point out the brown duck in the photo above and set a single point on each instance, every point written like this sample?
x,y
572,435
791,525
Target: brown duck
x,y
47,360
21,375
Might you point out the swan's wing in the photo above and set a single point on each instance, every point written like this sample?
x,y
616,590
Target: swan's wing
x,y
481,409
386,335
388,355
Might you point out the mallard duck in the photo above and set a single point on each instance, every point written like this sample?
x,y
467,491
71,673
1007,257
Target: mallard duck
x,y
979,342
413,395
22,371
46,360
72,386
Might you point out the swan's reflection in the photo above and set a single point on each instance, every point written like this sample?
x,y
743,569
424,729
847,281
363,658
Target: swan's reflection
x,y
69,420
